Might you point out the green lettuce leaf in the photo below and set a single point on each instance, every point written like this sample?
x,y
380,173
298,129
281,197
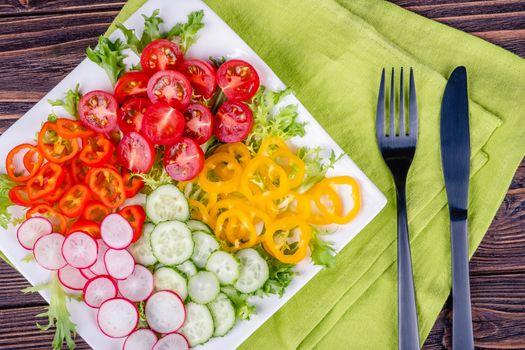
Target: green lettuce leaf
x,y
108,55
69,102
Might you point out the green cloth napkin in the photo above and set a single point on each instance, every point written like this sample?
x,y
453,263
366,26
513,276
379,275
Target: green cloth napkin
x,y
331,53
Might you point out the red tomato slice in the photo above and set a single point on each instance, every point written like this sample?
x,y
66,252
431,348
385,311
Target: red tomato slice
x,y
162,124
170,87
238,80
130,114
201,75
184,160
98,111
136,153
199,123
233,122
132,84
160,55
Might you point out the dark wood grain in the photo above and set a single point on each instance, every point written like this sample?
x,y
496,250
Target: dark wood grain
x,y
42,40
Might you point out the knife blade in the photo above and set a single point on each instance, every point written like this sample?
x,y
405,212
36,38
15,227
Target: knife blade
x,y
455,157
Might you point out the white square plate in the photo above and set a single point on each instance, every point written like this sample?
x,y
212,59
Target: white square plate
x,y
216,39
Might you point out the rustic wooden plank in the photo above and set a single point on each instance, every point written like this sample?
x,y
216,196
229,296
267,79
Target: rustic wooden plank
x,y
32,7
10,290
455,8
19,330
497,316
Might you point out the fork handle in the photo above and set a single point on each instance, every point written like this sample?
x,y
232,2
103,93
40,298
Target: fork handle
x,y
408,334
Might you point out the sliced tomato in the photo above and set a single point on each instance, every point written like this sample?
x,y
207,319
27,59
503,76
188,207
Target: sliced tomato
x,y
136,216
97,151
132,84
201,75
95,211
47,180
162,124
71,129
199,123
58,221
233,122
132,184
238,80
171,87
79,170
74,200
184,160
66,183
98,111
136,153
160,55
130,114
90,227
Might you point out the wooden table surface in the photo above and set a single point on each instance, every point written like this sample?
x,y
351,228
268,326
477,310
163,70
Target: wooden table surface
x,y
41,41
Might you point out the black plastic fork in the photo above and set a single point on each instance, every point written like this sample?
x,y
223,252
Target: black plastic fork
x,y
398,148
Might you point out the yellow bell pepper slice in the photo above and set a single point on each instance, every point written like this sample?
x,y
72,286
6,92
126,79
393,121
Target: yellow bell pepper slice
x,y
223,184
272,144
242,222
199,211
238,150
325,205
292,164
287,239
327,185
263,179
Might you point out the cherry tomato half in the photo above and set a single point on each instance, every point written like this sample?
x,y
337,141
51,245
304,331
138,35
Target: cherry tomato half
x,y
233,122
130,114
171,87
136,153
132,84
162,124
184,160
98,111
238,80
160,55
201,75
199,123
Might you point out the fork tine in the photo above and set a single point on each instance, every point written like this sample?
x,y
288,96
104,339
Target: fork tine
x,y
402,131
413,106
380,112
392,131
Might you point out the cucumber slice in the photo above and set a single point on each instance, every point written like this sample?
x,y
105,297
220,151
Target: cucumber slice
x,y
188,268
225,266
167,278
223,314
167,203
171,242
198,327
141,250
254,271
205,244
196,225
203,287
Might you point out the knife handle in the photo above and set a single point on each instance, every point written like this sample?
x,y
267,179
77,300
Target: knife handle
x,y
462,334
408,334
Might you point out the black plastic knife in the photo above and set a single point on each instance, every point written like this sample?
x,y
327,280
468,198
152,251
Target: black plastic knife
x,y
455,155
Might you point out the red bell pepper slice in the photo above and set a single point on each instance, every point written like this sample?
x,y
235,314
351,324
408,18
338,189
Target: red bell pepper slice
x,y
54,147
97,151
30,164
72,129
107,186
136,216
95,211
132,184
90,227
74,200
45,181
58,221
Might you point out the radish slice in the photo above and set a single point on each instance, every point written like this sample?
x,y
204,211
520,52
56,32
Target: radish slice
x,y
116,231
165,312
173,341
80,250
141,339
31,230
72,278
119,263
138,286
98,290
48,251
87,273
117,317
99,267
